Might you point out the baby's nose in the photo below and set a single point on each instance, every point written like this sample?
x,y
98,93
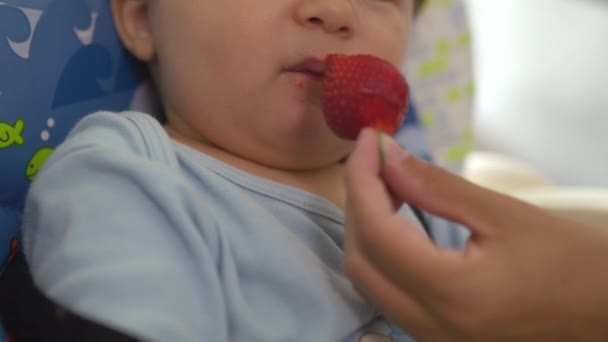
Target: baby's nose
x,y
332,16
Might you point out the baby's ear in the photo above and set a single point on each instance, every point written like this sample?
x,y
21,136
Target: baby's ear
x,y
131,19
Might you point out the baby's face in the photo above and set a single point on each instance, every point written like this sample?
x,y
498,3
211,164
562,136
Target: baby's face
x,y
235,72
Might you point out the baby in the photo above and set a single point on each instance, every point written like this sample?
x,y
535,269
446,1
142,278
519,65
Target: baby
x,y
225,223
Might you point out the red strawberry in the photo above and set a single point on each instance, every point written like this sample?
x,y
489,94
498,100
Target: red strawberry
x,y
363,91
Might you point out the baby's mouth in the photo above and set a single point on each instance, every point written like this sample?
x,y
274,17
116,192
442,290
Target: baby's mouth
x,y
311,66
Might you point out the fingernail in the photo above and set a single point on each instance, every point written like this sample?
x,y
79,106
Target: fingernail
x,y
390,150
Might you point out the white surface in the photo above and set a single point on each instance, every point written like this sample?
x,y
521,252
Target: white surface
x,y
589,205
542,84
515,178
502,173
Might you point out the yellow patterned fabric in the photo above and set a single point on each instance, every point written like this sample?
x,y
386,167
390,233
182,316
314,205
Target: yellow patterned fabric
x,y
439,70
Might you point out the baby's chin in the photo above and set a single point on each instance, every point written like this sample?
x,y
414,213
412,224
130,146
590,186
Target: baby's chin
x,y
299,162
309,147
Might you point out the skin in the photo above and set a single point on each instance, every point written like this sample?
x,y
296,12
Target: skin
x,y
220,69
524,275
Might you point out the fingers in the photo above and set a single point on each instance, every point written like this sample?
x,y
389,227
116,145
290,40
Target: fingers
x,y
393,301
363,175
394,246
442,193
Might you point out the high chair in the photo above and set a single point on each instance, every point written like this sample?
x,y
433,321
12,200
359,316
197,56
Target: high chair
x,y
61,60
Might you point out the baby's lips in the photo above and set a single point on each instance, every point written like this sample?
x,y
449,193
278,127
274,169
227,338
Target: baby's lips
x,y
312,65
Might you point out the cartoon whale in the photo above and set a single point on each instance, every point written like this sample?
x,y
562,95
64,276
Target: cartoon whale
x,y
36,162
10,135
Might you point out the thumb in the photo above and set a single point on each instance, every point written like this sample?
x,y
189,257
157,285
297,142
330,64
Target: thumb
x,y
440,192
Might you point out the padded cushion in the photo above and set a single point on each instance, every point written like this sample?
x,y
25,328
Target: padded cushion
x,y
59,61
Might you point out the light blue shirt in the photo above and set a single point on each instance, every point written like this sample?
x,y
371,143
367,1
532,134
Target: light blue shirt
x,y
129,228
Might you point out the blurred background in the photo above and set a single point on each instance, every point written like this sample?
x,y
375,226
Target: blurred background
x,y
513,95
542,85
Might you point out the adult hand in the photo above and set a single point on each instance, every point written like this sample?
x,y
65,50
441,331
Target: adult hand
x,y
524,275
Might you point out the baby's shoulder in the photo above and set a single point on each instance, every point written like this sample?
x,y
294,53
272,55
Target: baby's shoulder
x,y
126,132
114,143
117,128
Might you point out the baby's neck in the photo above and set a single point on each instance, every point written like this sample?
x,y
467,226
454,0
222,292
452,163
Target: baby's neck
x,y
327,182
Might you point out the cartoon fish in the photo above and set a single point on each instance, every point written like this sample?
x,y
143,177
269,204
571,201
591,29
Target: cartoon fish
x,y
11,135
36,162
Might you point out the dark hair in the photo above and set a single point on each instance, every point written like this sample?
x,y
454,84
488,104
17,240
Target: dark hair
x,y
418,5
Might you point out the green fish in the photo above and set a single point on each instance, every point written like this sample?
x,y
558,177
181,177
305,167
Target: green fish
x,y
10,135
36,162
